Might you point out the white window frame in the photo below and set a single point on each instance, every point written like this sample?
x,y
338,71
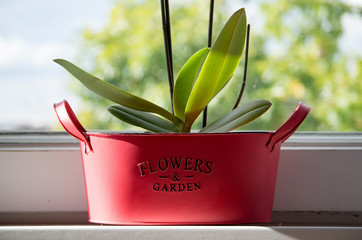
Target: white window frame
x,y
320,174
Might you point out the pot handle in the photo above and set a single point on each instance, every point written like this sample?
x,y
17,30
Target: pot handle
x,y
289,127
71,124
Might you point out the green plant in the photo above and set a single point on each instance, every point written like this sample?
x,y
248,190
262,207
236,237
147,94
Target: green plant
x,y
201,78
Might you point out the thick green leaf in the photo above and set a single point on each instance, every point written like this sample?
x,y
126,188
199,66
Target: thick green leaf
x,y
239,116
219,66
142,119
185,81
115,94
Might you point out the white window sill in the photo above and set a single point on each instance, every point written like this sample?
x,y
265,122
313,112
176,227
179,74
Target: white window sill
x,y
180,232
319,179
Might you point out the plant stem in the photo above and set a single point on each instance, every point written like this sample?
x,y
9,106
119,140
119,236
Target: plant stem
x,y
211,18
209,39
245,68
166,26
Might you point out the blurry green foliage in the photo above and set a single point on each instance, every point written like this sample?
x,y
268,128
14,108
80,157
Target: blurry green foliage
x,y
301,60
294,56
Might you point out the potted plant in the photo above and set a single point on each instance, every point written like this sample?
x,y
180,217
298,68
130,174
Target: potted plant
x,y
173,176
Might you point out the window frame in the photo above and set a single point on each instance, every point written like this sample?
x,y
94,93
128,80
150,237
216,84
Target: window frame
x,y
318,173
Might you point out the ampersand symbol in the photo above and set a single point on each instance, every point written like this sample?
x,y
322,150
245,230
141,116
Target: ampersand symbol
x,y
175,177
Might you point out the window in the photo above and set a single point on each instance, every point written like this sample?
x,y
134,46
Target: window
x,y
312,56
40,171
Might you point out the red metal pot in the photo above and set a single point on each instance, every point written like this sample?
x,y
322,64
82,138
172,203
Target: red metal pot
x,y
169,179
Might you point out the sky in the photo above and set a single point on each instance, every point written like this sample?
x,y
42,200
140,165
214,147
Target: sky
x,y
33,32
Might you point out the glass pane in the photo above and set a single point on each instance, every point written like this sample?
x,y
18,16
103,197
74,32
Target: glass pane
x,y
300,50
